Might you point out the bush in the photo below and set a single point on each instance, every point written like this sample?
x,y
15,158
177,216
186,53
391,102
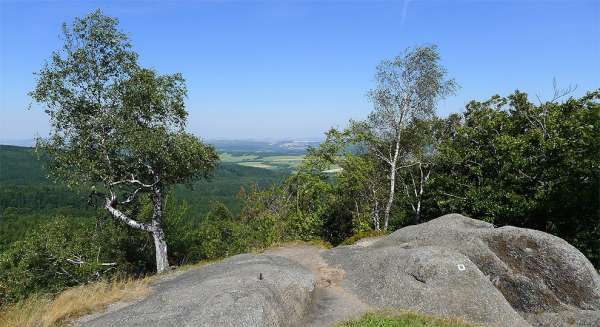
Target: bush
x,y
216,239
217,235
56,253
66,252
513,162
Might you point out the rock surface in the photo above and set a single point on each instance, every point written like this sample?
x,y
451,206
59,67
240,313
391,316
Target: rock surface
x,y
331,303
450,266
428,279
229,293
535,272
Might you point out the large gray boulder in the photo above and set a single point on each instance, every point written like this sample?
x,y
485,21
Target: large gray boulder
x,y
229,293
541,276
427,279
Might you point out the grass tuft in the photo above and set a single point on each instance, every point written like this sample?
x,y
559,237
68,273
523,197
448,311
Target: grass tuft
x,y
43,311
360,235
402,319
317,243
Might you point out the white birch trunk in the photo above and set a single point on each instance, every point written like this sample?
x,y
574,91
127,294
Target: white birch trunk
x,y
419,196
160,244
418,212
155,228
393,163
376,218
388,206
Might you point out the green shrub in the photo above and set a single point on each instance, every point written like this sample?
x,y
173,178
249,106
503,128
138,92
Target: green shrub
x,y
62,253
217,235
262,231
217,239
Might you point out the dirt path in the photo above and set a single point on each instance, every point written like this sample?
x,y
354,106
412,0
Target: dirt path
x,y
331,303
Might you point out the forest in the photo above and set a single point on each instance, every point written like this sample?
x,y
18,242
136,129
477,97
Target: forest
x,y
120,189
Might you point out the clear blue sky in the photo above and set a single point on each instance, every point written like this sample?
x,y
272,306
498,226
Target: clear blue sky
x,y
276,69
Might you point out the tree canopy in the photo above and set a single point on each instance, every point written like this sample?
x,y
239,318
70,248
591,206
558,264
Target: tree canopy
x,y
117,128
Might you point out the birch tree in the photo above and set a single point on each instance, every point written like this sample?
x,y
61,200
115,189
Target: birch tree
x,y
408,87
422,139
117,129
360,178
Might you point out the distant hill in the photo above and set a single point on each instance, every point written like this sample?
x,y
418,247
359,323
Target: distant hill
x,y
283,146
262,147
20,166
17,142
26,187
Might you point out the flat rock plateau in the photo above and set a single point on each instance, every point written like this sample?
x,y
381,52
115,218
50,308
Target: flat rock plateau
x,y
452,266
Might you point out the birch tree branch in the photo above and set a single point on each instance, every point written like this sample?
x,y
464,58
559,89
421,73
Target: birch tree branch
x,y
119,215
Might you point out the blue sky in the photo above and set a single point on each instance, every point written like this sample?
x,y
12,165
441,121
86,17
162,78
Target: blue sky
x,y
292,69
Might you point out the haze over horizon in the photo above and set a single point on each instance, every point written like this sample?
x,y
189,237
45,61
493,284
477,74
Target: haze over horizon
x,y
291,70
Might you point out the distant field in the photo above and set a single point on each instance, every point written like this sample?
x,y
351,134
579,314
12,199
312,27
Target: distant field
x,y
255,164
275,162
236,158
285,158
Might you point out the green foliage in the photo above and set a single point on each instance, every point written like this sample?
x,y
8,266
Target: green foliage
x,y
30,200
37,261
17,223
18,168
420,157
314,204
218,234
216,239
362,189
218,211
111,118
64,252
215,236
350,200
407,91
511,162
306,206
41,197
26,189
224,185
27,193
